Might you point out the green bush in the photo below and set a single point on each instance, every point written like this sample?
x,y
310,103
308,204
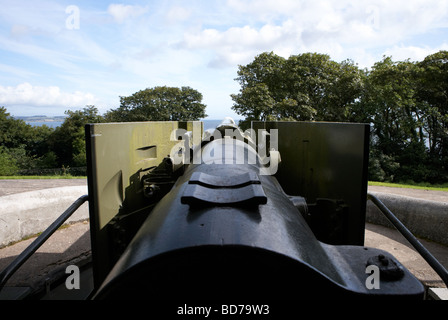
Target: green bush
x,y
8,165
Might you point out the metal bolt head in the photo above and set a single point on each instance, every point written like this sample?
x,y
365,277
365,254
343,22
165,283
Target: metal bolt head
x,y
389,269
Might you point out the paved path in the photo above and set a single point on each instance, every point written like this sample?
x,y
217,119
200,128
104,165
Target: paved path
x,y
13,186
434,195
393,242
66,246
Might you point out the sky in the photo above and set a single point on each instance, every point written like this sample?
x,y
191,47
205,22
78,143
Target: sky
x,y
65,55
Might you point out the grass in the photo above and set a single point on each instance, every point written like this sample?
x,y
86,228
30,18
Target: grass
x,y
42,177
423,186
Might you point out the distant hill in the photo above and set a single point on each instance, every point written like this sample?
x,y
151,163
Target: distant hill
x,y
41,118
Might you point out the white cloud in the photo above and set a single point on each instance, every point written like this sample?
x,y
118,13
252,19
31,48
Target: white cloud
x,y
122,12
178,14
237,45
51,96
265,10
336,28
414,53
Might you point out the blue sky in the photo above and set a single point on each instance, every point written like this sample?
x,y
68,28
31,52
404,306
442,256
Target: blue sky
x,y
60,55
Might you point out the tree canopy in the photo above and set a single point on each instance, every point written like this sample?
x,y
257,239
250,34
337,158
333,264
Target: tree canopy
x,y
159,104
25,149
405,102
303,87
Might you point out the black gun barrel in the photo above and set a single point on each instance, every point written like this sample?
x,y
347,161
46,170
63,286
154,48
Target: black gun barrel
x,y
228,230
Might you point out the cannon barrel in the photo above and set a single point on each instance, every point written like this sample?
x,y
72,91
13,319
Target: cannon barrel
x,y
227,229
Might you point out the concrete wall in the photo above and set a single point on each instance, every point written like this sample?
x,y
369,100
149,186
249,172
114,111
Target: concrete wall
x,y
424,218
28,213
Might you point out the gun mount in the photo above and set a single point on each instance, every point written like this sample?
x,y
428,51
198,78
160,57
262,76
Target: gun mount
x,y
277,211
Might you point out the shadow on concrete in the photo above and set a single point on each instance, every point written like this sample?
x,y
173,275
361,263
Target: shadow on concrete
x,y
47,266
392,241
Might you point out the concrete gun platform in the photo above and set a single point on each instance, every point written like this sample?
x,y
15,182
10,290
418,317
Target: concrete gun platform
x,y
71,244
15,186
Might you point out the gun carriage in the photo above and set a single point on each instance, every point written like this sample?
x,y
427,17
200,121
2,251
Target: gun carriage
x,y
274,212
277,211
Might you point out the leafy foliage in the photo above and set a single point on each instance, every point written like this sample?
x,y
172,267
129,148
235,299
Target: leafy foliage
x,y
159,104
309,86
68,142
8,165
405,102
24,148
21,145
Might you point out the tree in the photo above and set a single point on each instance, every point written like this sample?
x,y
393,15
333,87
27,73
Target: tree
x,y
38,145
432,96
159,104
406,104
23,145
14,132
390,106
320,84
261,87
8,165
308,86
68,141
